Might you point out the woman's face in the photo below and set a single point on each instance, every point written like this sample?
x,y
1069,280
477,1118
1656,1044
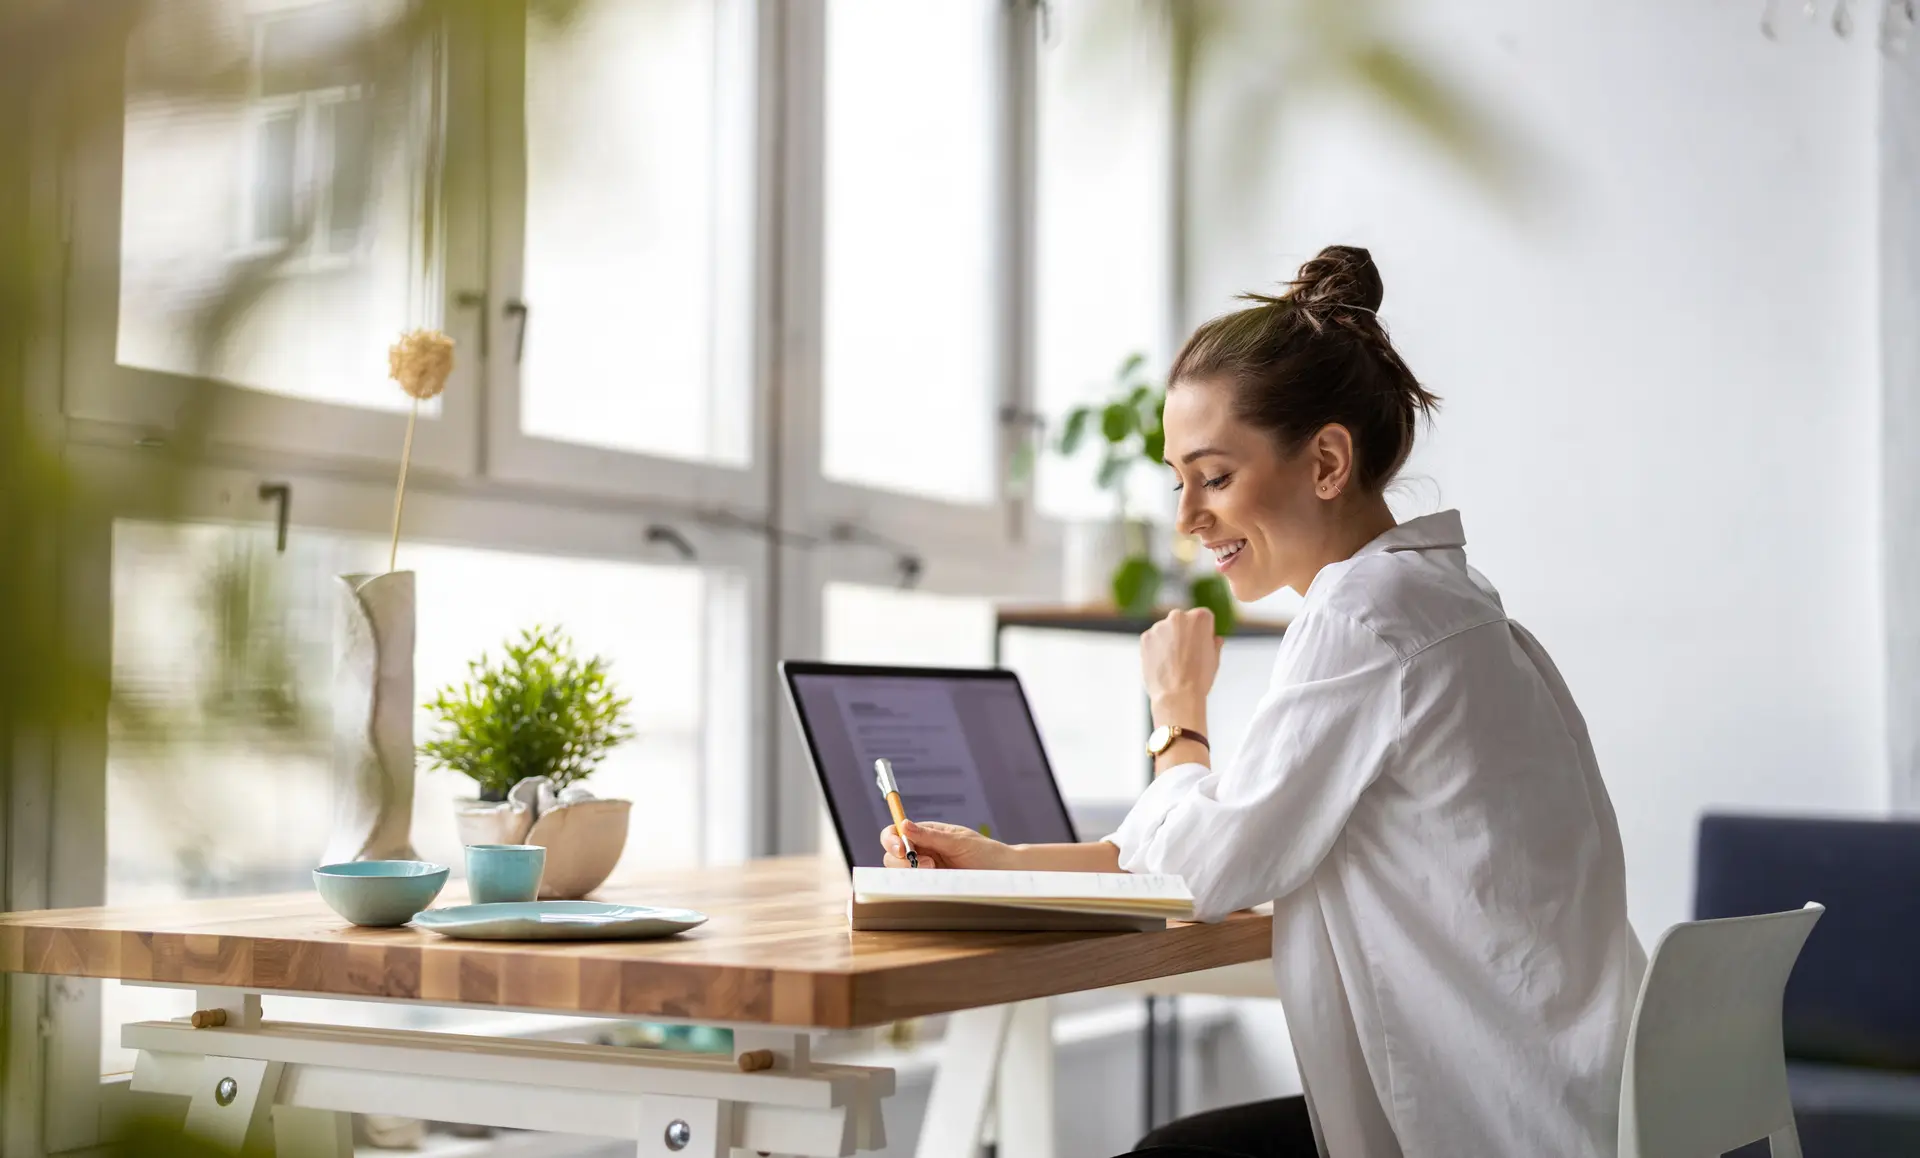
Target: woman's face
x,y
1263,515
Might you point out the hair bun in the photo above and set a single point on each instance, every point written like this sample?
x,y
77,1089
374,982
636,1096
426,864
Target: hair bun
x,y
1339,275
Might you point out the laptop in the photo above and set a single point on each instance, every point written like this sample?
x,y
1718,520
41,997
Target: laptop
x,y
963,743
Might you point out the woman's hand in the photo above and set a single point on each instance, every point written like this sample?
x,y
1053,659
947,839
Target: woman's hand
x,y
1179,656
947,846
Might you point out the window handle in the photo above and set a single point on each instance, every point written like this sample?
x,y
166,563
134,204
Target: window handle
x,y
520,312
475,300
280,494
1019,416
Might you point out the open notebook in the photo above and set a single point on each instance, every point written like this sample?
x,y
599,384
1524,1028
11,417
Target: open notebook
x,y
886,898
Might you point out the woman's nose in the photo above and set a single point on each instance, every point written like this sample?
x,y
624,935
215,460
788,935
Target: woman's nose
x,y
1188,519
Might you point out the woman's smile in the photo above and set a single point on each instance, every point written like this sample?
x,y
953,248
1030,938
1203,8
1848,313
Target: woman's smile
x,y
1226,551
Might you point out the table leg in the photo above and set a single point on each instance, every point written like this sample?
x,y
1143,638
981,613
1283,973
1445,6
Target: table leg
x,y
963,1084
673,1127
1150,1067
232,1103
298,1081
1023,1099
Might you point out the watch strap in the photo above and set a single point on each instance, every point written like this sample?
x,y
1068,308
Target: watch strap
x,y
1180,733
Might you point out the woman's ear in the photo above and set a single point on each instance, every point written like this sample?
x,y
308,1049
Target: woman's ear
x,y
1333,465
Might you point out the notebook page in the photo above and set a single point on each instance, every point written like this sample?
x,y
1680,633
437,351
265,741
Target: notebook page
x,y
1118,891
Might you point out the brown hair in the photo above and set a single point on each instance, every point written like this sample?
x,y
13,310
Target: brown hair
x,y
1314,356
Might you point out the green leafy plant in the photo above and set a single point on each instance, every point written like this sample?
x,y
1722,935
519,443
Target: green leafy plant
x,y
1128,424
539,712
1130,431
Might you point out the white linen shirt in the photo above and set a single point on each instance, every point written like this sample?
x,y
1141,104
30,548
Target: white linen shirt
x,y
1418,797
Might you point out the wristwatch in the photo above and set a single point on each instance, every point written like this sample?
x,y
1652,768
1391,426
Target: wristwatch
x,y
1164,736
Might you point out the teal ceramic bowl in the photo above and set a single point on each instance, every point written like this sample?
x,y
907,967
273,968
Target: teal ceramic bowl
x,y
379,893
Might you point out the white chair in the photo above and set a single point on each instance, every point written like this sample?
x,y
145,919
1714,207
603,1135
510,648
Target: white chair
x,y
1706,1072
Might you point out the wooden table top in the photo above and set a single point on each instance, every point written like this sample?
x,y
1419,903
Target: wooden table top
x,y
776,951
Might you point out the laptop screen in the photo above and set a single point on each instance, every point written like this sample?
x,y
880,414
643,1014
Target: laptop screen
x,y
963,745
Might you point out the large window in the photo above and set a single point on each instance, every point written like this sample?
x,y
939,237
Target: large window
x,y
635,329
285,179
910,373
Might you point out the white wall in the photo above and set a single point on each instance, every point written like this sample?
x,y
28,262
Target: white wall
x,y
1661,419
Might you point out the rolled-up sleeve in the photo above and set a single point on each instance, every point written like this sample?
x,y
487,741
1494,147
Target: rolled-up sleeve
x,y
1257,830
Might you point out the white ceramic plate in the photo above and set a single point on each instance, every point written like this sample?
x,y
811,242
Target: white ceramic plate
x,y
557,921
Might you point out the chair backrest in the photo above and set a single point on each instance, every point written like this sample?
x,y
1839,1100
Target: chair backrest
x,y
1853,999
1705,1072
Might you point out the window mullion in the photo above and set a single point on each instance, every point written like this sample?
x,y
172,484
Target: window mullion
x,y
1016,122
794,67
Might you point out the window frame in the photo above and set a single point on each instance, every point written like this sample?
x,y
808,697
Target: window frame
x,y
777,528
1001,525
112,403
516,456
997,549
453,514
477,434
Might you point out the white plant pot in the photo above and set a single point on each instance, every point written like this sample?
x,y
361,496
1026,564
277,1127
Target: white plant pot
x,y
1094,551
490,822
584,836
373,718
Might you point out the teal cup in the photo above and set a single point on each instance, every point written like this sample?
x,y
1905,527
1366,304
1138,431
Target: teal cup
x,y
504,872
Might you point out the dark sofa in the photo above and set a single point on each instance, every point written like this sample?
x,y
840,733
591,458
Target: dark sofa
x,y
1851,1020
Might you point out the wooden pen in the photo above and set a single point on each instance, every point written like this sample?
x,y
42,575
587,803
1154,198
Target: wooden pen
x,y
890,788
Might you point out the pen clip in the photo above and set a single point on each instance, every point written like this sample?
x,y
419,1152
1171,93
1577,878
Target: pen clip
x,y
883,776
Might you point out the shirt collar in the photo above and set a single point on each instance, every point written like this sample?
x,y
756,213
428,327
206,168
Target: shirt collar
x,y
1429,532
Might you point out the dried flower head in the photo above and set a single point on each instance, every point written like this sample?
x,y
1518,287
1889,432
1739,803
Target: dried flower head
x,y
420,361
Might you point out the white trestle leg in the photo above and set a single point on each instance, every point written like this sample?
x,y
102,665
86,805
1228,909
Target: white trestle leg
x,y
255,1085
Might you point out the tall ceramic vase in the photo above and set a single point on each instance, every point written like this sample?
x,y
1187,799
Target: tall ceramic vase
x,y
373,718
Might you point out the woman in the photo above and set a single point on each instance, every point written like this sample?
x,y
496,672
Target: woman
x,y
1417,796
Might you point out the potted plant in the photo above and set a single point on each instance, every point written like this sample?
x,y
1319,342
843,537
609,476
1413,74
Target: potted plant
x,y
1127,430
527,731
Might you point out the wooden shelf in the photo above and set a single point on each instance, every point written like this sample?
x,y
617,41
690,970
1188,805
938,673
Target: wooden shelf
x,y
1107,619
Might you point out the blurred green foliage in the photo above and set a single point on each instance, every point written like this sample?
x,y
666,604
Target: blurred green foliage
x,y
50,115
164,1136
1129,425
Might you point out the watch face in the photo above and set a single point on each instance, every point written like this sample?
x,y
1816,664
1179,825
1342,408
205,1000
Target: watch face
x,y
1162,736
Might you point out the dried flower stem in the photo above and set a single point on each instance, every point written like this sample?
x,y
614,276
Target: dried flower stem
x,y
420,361
400,492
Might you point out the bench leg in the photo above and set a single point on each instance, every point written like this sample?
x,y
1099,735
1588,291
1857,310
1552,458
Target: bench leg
x,y
963,1083
672,1127
1023,1098
232,1104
